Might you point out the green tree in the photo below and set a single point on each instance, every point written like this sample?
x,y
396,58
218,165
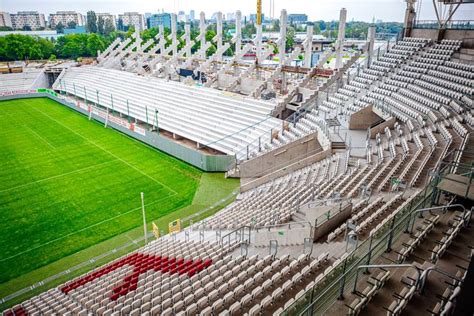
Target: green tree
x,y
249,30
101,26
290,37
211,50
60,28
71,25
109,27
91,25
94,43
120,25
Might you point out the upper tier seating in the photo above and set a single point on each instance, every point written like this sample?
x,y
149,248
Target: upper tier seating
x,y
19,81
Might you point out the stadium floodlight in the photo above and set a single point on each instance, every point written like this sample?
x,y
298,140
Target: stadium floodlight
x,y
144,217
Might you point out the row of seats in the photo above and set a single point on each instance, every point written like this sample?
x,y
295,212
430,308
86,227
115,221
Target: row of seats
x,y
457,223
203,115
375,283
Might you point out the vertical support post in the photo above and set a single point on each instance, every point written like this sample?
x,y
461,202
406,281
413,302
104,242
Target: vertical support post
x,y
341,37
342,282
369,255
238,32
112,102
308,49
202,29
144,217
97,97
174,42
156,121
282,39
219,33
390,237
128,112
187,38
74,87
146,115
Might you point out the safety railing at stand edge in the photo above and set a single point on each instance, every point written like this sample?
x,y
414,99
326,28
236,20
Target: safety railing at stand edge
x,y
239,235
340,205
322,296
451,25
289,225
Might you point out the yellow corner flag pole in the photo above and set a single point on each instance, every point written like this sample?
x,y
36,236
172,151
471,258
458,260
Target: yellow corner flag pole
x,y
156,230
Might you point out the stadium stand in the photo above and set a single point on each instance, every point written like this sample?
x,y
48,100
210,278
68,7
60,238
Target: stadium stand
x,y
31,78
225,124
415,83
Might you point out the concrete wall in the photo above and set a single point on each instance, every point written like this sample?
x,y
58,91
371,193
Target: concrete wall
x,y
281,157
250,183
284,235
467,36
210,163
248,85
333,222
380,128
363,119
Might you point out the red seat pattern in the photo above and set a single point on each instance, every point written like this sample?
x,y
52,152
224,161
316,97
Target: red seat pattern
x,y
17,311
141,263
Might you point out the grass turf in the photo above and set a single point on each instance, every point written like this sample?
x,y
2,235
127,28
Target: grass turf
x,y
68,183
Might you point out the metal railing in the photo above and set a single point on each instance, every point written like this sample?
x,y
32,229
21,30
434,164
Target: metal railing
x,y
323,295
451,25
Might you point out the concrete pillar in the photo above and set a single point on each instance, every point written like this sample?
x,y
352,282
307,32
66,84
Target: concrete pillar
x,y
238,32
282,43
258,44
202,28
138,39
308,50
340,37
174,30
371,41
410,15
219,30
187,38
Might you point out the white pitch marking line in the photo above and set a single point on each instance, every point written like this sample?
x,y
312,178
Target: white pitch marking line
x,y
83,229
41,137
98,146
57,176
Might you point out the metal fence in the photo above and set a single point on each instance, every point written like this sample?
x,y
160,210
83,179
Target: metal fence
x,y
342,278
451,25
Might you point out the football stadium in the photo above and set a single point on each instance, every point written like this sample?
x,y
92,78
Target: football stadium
x,y
188,174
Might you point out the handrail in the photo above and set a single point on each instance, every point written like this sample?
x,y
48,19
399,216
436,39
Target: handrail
x,y
425,274
242,229
389,266
443,207
302,223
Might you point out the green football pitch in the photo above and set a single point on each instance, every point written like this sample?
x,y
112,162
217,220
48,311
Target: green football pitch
x,y
68,183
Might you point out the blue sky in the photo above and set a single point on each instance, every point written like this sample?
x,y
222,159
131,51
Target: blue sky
x,y
387,10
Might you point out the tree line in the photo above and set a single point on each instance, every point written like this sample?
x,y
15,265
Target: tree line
x,y
101,34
